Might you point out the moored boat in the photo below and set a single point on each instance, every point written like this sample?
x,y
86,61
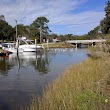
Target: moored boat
x,y
22,45
10,48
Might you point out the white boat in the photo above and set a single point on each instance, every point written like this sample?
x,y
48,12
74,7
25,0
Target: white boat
x,y
28,46
0,45
10,48
21,45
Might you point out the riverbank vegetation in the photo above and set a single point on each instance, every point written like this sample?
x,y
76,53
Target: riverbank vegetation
x,y
85,86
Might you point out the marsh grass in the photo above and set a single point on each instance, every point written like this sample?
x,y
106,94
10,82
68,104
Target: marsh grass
x,y
99,51
85,86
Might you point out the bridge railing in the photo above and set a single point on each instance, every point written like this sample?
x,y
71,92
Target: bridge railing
x,y
86,41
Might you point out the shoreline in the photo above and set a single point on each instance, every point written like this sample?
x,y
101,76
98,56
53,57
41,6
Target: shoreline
x,y
78,88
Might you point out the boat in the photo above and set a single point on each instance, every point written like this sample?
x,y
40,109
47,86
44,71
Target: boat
x,y
10,48
29,46
0,45
22,45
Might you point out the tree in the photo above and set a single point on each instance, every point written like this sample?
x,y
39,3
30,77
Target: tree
x,y
2,17
105,23
105,26
93,34
34,34
23,30
40,24
6,31
107,10
69,36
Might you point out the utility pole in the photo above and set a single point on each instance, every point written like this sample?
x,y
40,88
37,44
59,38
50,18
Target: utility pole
x,y
40,34
16,29
17,43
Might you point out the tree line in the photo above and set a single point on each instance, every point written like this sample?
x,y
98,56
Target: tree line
x,y
104,27
39,30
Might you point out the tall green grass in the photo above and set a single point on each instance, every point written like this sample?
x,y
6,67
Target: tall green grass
x,y
85,86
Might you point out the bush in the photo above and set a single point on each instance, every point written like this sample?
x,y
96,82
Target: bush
x,y
99,51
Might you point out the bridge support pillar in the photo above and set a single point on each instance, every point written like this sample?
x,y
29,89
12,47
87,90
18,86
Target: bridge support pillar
x,y
76,46
93,44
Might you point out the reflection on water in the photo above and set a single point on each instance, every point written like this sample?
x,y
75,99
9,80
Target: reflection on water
x,y
4,66
24,75
38,61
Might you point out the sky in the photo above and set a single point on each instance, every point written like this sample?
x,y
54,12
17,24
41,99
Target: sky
x,y
75,17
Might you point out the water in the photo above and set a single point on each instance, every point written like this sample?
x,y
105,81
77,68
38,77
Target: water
x,y
24,76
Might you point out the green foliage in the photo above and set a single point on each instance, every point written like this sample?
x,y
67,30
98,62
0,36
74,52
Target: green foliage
x,y
34,34
62,38
40,25
23,30
87,100
6,31
2,17
54,36
104,27
105,23
40,22
93,34
83,37
69,36
107,9
32,31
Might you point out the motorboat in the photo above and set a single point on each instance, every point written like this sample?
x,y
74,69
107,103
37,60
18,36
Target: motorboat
x,y
22,45
10,48
29,46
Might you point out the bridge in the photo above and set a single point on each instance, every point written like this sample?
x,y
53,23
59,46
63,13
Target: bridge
x,y
86,42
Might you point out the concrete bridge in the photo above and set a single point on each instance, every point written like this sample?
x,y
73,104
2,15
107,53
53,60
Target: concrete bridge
x,y
86,42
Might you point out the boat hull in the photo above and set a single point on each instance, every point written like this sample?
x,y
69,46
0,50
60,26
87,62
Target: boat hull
x,y
12,50
30,48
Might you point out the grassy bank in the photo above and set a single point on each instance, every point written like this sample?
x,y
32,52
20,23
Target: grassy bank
x,y
85,86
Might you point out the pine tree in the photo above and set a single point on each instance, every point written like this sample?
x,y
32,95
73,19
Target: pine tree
x,y
105,23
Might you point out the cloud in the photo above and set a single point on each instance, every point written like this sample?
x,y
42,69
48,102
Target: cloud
x,y
57,11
